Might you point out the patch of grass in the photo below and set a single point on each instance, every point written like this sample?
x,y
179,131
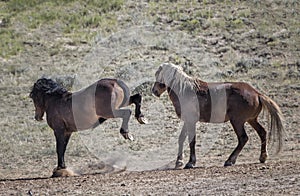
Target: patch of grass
x,y
74,17
191,25
10,43
206,13
236,23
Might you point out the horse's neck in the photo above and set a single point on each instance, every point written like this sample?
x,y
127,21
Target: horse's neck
x,y
171,92
175,100
56,100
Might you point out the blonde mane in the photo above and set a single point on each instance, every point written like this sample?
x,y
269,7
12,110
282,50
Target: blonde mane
x,y
175,78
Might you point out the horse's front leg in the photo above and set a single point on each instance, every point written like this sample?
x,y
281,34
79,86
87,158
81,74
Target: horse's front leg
x,y
192,142
181,139
62,139
137,100
125,115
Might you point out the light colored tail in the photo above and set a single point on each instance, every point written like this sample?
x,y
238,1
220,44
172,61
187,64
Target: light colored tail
x,y
276,127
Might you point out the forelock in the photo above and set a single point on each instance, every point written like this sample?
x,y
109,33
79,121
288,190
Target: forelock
x,y
47,86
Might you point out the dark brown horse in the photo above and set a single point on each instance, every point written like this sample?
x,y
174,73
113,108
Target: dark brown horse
x,y
67,112
195,100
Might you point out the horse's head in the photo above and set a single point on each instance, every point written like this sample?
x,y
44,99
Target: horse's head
x,y
37,95
40,91
165,76
159,86
171,76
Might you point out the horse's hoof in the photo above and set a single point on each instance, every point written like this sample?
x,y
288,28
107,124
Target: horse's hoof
x,y
263,158
228,163
130,137
127,136
63,173
178,164
189,166
142,120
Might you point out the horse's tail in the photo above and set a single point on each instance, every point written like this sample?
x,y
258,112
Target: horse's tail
x,y
276,124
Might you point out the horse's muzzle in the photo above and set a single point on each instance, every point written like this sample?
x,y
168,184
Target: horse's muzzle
x,y
38,117
155,92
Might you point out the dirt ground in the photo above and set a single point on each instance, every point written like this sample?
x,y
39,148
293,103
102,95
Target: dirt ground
x,y
213,41
276,178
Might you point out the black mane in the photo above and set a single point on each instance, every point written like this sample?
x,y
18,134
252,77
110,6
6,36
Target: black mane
x,y
49,87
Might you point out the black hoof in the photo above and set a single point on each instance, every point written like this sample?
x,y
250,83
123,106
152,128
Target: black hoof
x,y
263,158
189,166
142,120
126,135
228,163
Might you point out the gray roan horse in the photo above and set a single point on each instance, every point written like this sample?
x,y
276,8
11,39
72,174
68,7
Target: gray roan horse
x,y
68,112
195,100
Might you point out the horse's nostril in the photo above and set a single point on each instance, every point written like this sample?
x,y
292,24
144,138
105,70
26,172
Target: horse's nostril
x,y
38,118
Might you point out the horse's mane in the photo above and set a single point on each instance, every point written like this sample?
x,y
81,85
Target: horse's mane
x,y
49,87
175,78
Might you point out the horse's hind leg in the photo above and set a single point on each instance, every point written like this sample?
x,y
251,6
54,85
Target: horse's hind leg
x,y
263,137
239,129
137,99
125,115
100,121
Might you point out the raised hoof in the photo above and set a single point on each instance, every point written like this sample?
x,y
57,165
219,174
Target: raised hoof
x,y
179,165
142,120
63,173
127,136
130,137
228,163
189,166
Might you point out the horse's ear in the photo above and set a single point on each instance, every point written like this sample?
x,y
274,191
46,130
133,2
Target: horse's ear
x,y
44,76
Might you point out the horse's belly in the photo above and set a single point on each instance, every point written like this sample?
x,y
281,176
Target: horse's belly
x,y
214,118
